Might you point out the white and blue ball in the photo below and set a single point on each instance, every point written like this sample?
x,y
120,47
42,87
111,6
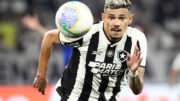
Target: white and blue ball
x,y
74,19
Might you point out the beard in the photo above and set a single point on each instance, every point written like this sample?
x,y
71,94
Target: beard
x,y
115,38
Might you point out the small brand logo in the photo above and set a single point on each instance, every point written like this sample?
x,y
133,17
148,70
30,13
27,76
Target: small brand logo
x,y
110,53
97,52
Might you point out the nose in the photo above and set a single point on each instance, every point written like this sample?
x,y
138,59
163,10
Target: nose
x,y
116,23
116,26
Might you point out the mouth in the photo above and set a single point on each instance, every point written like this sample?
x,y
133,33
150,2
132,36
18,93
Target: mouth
x,y
116,30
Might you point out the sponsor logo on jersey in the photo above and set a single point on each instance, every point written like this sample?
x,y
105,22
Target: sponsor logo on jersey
x,y
106,69
122,55
73,44
77,43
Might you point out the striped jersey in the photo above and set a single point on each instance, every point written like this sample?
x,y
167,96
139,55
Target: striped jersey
x,y
97,70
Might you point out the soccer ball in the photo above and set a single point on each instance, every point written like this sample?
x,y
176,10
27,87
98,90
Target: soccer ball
x,y
74,19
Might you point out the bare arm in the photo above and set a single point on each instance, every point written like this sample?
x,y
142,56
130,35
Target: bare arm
x,y
50,38
136,83
136,72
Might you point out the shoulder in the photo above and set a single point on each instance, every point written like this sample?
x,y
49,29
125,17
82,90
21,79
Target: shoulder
x,y
135,33
83,40
96,27
52,35
53,31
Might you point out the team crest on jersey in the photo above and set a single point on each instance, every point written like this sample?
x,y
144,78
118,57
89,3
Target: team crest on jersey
x,y
122,55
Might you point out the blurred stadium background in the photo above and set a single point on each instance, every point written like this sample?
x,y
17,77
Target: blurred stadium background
x,y
20,47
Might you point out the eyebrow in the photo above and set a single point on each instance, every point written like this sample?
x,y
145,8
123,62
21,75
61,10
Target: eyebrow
x,y
123,14
118,15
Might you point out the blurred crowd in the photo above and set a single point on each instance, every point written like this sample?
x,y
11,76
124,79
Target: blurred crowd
x,y
20,45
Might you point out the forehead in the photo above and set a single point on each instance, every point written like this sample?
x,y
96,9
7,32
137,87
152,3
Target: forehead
x,y
119,11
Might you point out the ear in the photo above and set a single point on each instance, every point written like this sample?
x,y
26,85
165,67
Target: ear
x,y
102,16
131,18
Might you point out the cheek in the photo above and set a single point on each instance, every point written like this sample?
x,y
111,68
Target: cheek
x,y
126,23
124,26
108,24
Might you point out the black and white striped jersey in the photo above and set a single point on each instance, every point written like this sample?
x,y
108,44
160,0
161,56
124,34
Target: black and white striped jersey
x,y
97,70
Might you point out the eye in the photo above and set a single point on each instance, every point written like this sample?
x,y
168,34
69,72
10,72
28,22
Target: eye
x,y
111,17
122,18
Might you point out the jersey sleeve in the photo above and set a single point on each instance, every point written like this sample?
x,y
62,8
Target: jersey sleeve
x,y
80,41
142,45
71,42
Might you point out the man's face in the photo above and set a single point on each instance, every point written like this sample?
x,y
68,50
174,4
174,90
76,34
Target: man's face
x,y
116,22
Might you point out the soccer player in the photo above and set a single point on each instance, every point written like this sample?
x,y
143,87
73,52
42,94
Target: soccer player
x,y
101,59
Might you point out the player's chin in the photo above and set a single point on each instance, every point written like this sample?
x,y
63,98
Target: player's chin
x,y
115,39
116,36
